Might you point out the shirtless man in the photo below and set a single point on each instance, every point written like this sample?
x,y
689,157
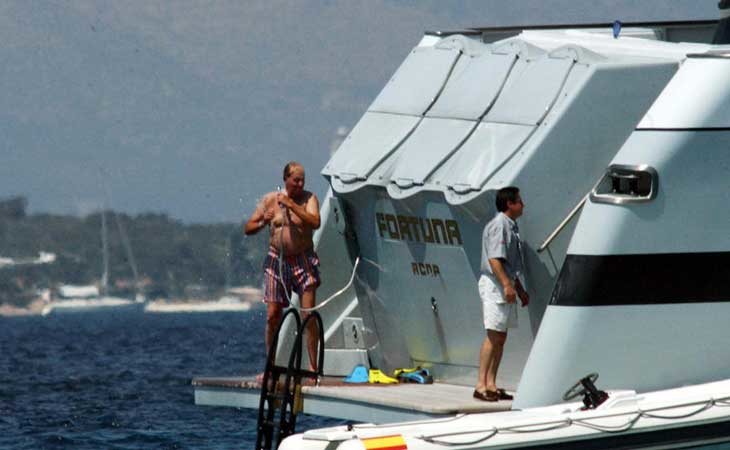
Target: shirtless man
x,y
292,216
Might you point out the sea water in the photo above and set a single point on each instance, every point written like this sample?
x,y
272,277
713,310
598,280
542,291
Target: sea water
x,y
121,380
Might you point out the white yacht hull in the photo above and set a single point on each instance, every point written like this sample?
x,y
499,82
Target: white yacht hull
x,y
690,417
639,282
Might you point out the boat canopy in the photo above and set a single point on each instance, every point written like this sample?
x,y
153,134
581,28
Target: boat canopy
x,y
455,114
417,83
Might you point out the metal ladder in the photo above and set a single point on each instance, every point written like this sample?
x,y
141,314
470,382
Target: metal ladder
x,y
285,397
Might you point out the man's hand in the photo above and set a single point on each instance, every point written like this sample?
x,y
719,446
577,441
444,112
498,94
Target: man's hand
x,y
510,294
284,200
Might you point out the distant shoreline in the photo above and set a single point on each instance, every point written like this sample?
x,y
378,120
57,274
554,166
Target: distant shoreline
x,y
33,309
243,299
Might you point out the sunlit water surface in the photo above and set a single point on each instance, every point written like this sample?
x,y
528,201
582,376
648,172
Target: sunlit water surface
x,y
122,380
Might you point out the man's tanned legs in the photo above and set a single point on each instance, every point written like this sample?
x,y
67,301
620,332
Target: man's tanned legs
x,y
312,332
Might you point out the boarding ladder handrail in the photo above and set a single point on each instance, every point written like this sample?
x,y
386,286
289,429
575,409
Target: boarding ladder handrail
x,y
562,224
285,396
568,218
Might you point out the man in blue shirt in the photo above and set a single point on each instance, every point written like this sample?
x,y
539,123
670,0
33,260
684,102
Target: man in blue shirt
x,y
499,288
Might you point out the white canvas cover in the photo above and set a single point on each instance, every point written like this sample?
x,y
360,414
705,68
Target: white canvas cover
x,y
374,137
417,82
530,91
432,142
473,86
482,155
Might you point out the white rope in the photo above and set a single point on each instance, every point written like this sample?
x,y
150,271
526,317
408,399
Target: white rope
x,y
285,220
586,423
336,294
281,269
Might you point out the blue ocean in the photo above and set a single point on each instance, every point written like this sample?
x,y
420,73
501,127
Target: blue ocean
x,y
121,380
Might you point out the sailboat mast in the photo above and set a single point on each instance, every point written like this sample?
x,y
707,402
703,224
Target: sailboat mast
x,y
104,255
128,250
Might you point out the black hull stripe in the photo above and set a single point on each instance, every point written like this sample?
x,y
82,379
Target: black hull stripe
x,y
695,437
669,278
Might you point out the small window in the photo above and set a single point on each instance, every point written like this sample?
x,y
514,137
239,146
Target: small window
x,y
626,184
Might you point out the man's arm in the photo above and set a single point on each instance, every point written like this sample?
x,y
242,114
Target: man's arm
x,y
309,212
259,219
510,295
255,223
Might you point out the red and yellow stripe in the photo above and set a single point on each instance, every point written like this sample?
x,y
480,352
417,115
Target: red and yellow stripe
x,y
395,442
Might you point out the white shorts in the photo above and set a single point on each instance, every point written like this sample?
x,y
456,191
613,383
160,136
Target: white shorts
x,y
498,315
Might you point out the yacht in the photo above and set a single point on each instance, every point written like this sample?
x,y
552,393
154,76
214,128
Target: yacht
x,y
617,136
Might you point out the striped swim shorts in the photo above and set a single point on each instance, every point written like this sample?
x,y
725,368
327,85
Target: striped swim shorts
x,y
299,273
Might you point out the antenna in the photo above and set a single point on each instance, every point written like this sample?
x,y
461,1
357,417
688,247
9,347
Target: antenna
x,y
722,32
616,28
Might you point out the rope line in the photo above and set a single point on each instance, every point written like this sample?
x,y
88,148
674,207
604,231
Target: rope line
x,y
432,439
285,213
411,423
585,423
336,294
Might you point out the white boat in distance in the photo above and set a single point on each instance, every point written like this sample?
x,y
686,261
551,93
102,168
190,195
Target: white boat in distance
x,y
235,299
73,298
224,304
43,258
618,140
87,298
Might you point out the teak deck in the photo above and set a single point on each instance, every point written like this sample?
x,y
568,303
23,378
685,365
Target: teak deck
x,y
357,402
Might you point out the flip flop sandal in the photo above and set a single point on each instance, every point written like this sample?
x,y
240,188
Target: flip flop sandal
x,y
487,396
503,395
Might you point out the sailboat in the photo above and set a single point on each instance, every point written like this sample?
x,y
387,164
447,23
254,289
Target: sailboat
x,y
73,298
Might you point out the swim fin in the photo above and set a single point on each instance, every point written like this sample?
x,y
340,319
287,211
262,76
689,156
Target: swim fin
x,y
414,375
359,374
377,376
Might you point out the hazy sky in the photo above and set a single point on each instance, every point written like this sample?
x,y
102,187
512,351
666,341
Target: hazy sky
x,y
193,107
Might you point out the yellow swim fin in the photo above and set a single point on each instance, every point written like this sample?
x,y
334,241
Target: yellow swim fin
x,y
404,370
377,376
